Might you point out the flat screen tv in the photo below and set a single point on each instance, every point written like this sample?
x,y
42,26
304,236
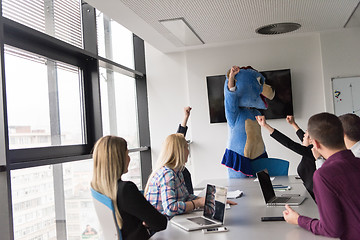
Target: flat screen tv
x,y
279,107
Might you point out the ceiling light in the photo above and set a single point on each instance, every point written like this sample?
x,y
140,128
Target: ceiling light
x,y
278,28
182,30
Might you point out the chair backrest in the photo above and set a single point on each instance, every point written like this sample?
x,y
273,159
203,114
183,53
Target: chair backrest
x,y
275,166
105,211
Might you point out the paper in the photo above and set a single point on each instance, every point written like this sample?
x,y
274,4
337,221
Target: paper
x,y
271,178
234,194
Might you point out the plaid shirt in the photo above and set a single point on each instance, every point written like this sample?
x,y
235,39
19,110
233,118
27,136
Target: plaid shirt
x,y
167,192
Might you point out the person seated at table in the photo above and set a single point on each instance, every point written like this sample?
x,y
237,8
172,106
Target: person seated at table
x,y
166,189
351,125
306,167
336,183
135,216
183,129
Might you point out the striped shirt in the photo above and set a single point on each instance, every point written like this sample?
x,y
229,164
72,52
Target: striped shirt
x,y
167,192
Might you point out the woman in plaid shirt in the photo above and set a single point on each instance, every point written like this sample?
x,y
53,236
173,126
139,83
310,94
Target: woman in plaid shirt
x,y
166,189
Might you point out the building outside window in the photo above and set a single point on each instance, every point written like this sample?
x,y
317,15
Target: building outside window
x,y
58,103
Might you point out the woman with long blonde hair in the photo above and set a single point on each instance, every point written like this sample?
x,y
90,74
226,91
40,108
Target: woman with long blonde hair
x,y
136,218
165,189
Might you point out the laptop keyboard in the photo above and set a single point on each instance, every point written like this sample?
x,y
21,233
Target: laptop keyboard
x,y
201,221
281,200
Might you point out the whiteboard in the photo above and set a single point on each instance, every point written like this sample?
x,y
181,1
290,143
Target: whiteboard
x,y
346,95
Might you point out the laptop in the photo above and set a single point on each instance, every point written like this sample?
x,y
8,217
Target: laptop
x,y
269,194
213,213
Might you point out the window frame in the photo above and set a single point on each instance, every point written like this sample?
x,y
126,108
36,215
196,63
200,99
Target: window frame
x,y
87,59
89,62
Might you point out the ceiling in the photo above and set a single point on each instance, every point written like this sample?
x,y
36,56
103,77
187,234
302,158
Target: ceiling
x,y
222,22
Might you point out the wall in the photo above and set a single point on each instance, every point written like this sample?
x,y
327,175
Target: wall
x,y
178,79
341,57
167,94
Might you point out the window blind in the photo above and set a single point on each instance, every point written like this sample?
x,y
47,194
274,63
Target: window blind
x,y
58,18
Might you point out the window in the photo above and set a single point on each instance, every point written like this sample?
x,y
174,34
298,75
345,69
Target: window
x,y
119,106
115,42
58,18
34,212
44,101
58,100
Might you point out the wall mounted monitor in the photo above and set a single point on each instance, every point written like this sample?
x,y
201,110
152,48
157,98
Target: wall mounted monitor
x,y
279,107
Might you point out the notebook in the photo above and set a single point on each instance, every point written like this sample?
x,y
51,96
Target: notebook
x,y
269,194
213,213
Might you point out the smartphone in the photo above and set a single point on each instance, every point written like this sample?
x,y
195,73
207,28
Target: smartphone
x,y
215,230
266,219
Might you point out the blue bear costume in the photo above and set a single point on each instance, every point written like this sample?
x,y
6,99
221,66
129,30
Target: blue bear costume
x,y
244,133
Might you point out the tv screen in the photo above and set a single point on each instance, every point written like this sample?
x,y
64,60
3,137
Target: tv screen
x,y
279,107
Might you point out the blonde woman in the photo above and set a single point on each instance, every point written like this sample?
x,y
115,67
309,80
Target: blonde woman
x,y
135,216
165,189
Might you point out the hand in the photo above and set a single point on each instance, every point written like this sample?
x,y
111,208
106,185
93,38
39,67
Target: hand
x,y
290,215
233,71
231,202
261,120
187,111
306,139
199,202
315,153
290,119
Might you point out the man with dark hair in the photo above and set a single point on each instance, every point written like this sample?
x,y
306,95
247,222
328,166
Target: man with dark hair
x,y
336,183
351,125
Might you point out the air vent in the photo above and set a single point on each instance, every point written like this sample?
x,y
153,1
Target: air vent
x,y
278,28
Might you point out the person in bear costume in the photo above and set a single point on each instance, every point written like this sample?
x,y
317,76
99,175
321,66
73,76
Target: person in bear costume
x,y
245,91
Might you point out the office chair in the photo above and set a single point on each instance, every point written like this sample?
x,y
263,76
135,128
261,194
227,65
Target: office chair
x,y
106,214
275,167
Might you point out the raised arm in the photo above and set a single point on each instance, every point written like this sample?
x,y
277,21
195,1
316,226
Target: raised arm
x,y
291,120
233,71
284,140
186,116
183,126
262,122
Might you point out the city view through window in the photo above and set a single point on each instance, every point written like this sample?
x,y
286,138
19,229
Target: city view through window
x,y
46,87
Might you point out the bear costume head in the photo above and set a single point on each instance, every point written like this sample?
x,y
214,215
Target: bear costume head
x,y
251,88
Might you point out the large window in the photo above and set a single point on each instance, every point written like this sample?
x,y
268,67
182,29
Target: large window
x,y
44,101
70,75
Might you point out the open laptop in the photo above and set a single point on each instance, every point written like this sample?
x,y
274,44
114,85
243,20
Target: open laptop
x,y
269,194
213,213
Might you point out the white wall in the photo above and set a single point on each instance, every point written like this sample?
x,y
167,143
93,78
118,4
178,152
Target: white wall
x,y
178,79
341,58
167,94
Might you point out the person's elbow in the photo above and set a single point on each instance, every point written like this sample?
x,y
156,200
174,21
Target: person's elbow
x,y
174,209
161,224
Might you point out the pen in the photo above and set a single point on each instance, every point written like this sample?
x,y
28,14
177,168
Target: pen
x,y
281,186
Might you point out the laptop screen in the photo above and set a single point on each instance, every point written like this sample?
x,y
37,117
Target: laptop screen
x,y
215,202
266,185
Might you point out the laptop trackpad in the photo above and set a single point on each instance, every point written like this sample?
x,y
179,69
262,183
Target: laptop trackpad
x,y
201,221
295,200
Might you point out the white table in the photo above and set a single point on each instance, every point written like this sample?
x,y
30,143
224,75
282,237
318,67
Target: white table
x,y
243,220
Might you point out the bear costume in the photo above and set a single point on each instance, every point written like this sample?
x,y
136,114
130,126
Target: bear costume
x,y
242,103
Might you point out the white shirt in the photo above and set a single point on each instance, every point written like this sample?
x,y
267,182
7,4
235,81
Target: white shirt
x,y
356,149
319,162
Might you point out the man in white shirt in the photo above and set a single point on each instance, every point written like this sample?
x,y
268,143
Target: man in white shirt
x,y
351,126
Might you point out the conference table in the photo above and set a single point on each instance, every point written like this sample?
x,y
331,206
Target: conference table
x,y
244,219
